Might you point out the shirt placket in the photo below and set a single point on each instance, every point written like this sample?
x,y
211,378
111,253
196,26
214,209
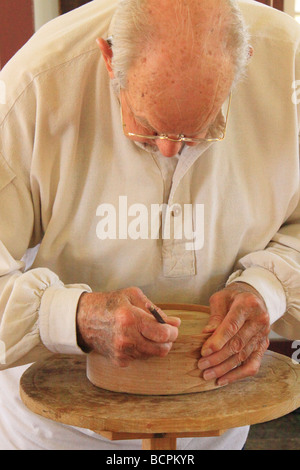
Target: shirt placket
x,y
178,253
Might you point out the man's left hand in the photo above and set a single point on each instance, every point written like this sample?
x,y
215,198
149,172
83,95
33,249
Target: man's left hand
x,y
240,327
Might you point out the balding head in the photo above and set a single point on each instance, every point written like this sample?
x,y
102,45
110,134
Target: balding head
x,y
175,62
199,26
185,62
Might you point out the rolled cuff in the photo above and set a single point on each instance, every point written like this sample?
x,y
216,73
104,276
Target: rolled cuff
x,y
57,318
269,287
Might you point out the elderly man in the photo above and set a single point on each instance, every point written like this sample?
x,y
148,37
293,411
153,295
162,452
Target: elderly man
x,y
178,109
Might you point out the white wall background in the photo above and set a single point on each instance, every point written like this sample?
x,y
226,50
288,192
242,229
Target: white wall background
x,y
44,11
289,7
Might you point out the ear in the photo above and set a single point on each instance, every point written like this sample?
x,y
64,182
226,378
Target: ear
x,y
107,54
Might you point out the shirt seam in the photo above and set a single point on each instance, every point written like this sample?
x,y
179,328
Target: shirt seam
x,y
14,176
38,74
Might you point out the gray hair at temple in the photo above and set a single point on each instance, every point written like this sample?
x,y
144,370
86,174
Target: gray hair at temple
x,y
131,28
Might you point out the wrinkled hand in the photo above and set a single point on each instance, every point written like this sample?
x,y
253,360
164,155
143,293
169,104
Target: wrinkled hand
x,y
119,326
240,325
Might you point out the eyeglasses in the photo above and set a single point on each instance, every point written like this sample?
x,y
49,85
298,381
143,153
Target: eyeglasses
x,y
181,137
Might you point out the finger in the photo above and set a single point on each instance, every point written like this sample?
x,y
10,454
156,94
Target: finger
x,y
230,326
242,342
148,349
248,369
214,367
175,321
136,330
150,329
135,347
145,349
125,357
222,369
159,333
137,297
219,306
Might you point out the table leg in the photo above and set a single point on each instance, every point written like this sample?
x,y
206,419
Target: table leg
x,y
159,443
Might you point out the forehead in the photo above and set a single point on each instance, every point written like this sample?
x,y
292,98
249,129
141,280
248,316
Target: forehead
x,y
183,100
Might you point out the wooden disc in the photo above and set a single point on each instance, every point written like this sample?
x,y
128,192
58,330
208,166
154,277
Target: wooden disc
x,y
57,388
176,373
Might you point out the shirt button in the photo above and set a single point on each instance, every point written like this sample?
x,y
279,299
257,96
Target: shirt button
x,y
176,211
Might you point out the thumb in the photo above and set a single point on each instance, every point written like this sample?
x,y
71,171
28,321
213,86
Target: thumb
x,y
219,304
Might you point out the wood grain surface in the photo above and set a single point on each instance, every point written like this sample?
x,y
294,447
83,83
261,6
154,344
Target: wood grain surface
x,y
176,373
57,388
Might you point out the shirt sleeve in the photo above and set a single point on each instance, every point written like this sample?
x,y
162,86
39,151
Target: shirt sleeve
x,y
267,284
37,311
275,274
275,271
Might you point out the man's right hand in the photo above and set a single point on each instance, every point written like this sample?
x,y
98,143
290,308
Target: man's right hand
x,y
119,326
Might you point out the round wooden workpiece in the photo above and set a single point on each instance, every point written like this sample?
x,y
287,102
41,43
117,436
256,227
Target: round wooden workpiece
x,y
176,373
57,388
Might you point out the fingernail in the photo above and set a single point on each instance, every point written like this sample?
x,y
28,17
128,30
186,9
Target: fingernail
x,y
222,382
210,328
206,352
203,365
209,374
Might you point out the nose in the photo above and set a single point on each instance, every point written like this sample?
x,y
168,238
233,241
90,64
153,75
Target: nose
x,y
168,148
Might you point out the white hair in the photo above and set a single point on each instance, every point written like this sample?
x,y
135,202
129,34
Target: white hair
x,y
131,29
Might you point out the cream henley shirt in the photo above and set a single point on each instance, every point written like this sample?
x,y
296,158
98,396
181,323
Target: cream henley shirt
x,y
64,159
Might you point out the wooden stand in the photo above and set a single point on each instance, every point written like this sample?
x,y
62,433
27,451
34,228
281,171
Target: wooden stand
x,y
57,388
